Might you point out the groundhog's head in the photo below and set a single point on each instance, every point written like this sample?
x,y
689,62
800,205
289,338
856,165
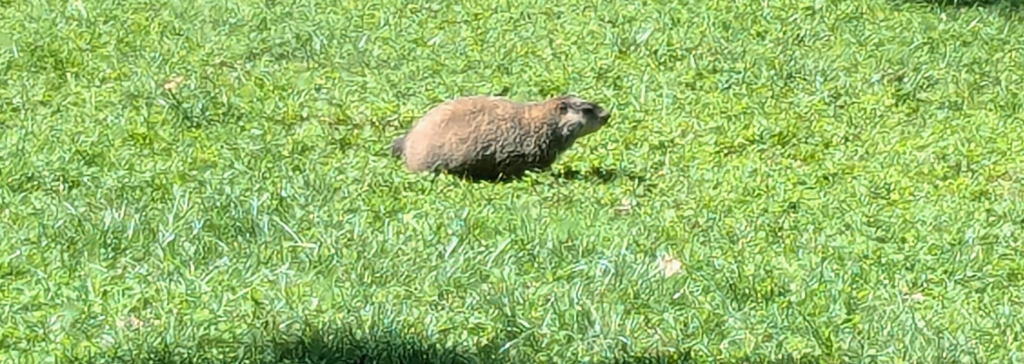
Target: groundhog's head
x,y
578,117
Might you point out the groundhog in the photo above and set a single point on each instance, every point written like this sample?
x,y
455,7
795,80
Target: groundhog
x,y
490,137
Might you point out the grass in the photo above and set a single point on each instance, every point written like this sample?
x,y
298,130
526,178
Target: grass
x,y
839,182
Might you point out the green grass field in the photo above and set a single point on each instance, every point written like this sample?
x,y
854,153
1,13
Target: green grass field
x,y
209,182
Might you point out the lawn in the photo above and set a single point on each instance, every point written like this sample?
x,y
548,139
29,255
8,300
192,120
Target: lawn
x,y
782,181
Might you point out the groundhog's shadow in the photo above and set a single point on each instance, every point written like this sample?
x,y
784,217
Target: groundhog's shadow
x,y
598,174
381,347
999,5
595,174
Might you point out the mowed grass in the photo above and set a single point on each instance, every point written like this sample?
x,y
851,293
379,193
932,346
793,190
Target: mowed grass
x,y
208,181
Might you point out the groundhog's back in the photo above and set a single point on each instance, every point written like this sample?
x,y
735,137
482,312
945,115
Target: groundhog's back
x,y
453,132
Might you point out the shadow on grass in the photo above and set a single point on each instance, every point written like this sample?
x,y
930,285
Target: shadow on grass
x,y
998,5
342,347
596,174
600,174
380,348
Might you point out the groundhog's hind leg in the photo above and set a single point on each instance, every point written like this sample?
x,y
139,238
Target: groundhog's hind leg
x,y
398,147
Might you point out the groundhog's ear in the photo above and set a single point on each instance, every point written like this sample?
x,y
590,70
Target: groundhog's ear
x,y
563,107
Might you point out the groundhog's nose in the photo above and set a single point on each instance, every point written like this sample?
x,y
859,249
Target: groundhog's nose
x,y
604,115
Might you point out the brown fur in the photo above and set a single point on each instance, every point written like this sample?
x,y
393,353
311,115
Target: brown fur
x,y
487,137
